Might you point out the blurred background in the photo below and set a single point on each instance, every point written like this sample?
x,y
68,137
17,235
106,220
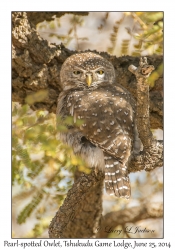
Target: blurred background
x,y
42,167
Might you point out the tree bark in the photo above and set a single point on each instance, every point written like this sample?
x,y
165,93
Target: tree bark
x,y
36,67
36,17
80,214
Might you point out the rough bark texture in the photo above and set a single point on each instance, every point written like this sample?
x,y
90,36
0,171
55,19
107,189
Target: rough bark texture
x,y
152,154
36,66
80,214
36,17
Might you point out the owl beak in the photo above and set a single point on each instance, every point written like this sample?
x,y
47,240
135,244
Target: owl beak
x,y
89,79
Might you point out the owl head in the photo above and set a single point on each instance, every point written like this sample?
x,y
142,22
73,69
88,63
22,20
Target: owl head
x,y
86,71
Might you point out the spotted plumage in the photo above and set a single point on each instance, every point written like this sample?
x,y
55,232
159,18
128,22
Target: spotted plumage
x,y
108,135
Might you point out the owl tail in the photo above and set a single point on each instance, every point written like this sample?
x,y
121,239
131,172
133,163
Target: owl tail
x,y
116,178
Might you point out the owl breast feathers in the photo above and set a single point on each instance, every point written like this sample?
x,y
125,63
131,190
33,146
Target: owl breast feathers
x,y
108,134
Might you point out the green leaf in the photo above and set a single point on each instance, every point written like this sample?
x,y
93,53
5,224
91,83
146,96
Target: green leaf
x,y
26,212
39,96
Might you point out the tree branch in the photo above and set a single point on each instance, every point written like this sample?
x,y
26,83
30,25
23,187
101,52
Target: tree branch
x,y
152,154
143,123
134,214
149,159
80,213
36,17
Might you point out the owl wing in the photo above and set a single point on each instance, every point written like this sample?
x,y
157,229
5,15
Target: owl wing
x,y
108,123
108,119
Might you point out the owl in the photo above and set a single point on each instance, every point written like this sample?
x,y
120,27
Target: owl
x,y
108,135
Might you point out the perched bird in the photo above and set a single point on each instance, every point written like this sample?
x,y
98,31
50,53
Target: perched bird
x,y
108,135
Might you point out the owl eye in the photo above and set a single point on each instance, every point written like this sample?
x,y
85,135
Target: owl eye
x,y
100,72
76,72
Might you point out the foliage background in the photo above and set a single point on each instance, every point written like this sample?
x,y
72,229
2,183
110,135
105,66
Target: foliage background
x,y
42,167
